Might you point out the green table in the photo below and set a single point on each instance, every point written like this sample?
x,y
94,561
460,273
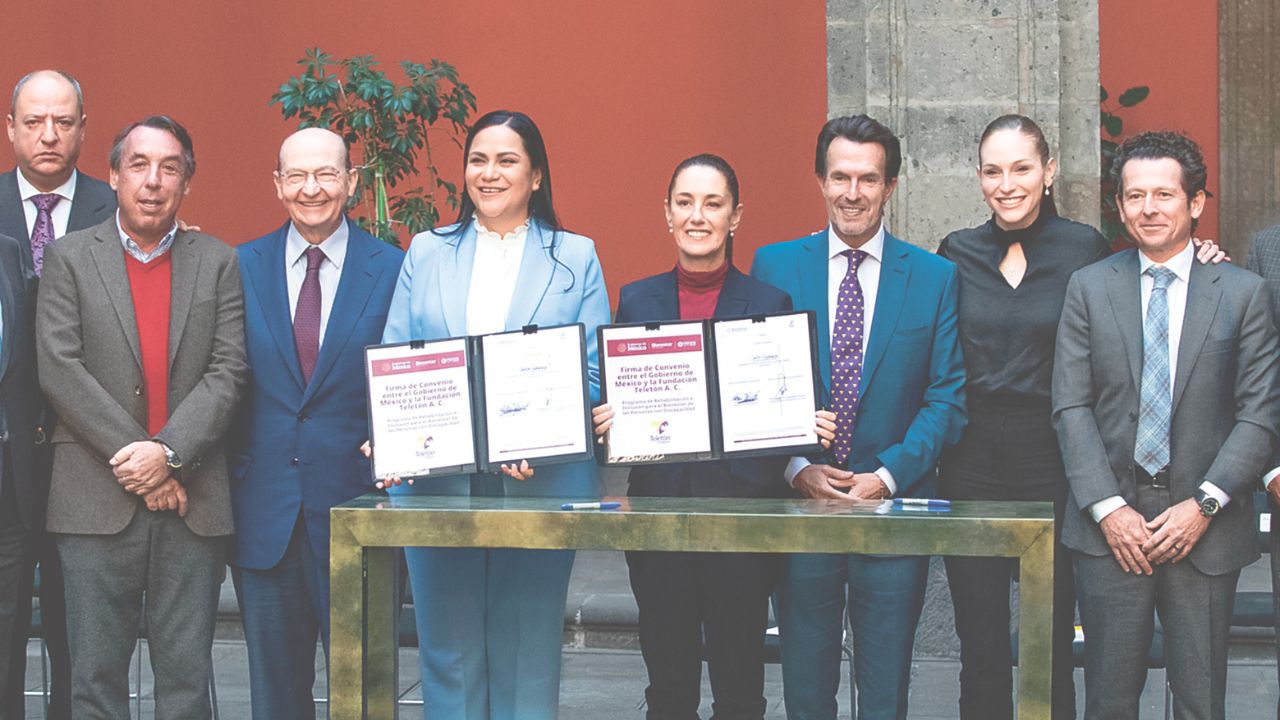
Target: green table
x,y
367,530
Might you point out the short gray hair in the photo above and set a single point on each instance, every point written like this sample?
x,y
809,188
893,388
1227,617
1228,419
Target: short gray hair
x,y
75,85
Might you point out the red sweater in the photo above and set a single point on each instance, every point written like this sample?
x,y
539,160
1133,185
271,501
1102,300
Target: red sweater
x,y
699,291
150,284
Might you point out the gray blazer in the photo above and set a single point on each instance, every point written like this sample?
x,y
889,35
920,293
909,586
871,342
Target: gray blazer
x,y
91,372
1226,399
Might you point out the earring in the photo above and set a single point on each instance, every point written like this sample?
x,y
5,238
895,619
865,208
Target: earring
x,y
670,229
1046,191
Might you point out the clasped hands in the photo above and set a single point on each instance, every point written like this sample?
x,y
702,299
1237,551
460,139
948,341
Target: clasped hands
x,y
1138,545
141,469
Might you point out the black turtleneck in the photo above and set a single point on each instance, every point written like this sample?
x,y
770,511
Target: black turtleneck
x,y
1007,333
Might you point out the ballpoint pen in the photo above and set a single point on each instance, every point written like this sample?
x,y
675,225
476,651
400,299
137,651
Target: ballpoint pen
x,y
922,502
591,506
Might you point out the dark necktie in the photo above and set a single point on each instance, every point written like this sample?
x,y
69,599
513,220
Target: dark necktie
x,y
1151,450
306,316
42,231
846,355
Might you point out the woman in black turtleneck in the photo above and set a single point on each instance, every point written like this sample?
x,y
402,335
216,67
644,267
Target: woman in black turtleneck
x,y
1013,279
688,599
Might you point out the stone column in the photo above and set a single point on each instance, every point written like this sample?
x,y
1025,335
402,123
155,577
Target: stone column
x,y
937,71
1249,107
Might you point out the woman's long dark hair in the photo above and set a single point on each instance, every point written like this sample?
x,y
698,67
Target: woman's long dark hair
x,y
540,205
541,208
720,165
1028,128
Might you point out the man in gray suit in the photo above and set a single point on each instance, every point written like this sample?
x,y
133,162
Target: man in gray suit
x,y
1264,259
1167,407
141,351
43,198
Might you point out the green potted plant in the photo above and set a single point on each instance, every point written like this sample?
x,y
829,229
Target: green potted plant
x,y
1113,133
389,126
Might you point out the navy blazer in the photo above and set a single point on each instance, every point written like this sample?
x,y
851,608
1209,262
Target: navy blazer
x,y
20,398
912,393
655,299
295,446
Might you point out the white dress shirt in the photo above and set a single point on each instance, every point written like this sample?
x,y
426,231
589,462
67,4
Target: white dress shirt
x,y
493,278
1176,294
136,250
334,248
869,279
60,214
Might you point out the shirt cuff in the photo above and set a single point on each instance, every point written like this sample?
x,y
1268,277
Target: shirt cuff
x,y
1105,507
1266,479
887,478
1215,492
793,469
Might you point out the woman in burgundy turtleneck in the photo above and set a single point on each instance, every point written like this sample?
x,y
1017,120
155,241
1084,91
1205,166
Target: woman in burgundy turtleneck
x,y
688,599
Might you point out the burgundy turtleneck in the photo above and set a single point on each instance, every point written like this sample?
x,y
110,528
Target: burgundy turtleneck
x,y
699,291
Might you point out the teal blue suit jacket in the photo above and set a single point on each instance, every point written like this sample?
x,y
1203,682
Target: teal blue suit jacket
x,y
912,393
559,282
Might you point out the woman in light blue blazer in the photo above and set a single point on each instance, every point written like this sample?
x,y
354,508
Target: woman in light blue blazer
x,y
490,620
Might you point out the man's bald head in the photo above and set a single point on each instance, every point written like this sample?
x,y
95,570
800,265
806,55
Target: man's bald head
x,y
46,126
314,181
53,76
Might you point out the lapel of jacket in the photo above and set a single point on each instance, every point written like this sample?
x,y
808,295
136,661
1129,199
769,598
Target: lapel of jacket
x,y
10,332
1124,291
87,206
1203,295
108,257
532,283
186,268
811,282
355,285
733,298
13,218
453,278
891,295
265,271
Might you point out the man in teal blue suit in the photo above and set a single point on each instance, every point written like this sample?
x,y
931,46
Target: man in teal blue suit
x,y
891,365
317,291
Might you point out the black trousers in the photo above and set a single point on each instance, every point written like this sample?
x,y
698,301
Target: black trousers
x,y
686,599
1008,452
34,548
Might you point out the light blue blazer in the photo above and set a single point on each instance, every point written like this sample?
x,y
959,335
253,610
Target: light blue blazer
x,y
912,394
560,282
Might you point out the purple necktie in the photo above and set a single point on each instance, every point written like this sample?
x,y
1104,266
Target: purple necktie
x,y
306,316
42,231
846,355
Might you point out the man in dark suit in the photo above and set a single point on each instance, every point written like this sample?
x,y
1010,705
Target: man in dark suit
x,y
41,199
316,292
18,400
141,351
891,361
1167,406
1264,259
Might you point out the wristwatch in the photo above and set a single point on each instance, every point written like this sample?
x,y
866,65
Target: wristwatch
x,y
1209,505
171,458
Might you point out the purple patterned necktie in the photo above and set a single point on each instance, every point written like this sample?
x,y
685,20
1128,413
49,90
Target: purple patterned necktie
x,y
42,231
846,355
306,316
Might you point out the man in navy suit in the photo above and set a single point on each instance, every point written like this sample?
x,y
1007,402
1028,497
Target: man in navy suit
x,y
316,293
891,362
44,197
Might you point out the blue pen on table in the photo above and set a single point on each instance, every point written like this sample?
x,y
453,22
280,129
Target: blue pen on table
x,y
922,502
591,506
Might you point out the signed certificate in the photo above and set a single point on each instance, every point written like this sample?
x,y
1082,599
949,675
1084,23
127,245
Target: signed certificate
x,y
655,378
768,386
420,408
535,396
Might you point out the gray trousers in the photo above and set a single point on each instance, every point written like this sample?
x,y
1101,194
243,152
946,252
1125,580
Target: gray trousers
x,y
158,569
1116,609
1275,584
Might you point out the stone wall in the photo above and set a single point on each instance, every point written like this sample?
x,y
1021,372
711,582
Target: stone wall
x,y
937,71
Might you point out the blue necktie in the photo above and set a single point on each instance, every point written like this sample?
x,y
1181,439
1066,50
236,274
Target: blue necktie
x,y
846,355
1151,451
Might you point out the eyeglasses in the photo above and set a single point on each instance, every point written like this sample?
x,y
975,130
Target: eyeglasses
x,y
328,177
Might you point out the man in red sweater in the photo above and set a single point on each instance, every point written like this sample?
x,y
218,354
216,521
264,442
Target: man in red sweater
x,y
141,351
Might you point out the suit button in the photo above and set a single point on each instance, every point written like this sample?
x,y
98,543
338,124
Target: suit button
x,y
302,418
295,462
137,390
1133,416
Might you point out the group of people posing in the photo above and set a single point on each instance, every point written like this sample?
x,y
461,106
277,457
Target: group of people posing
x,y
161,391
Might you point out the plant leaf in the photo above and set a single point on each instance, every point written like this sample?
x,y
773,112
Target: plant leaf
x,y
1134,95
